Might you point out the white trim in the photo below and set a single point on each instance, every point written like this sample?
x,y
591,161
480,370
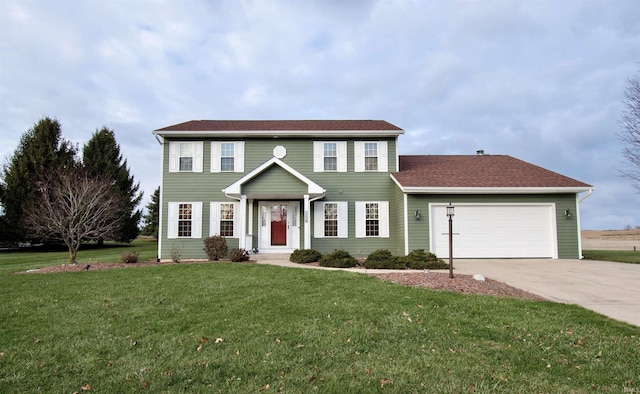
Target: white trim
x,y
487,190
277,133
405,224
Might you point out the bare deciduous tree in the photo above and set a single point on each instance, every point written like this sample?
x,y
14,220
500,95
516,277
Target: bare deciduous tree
x,y
72,207
630,134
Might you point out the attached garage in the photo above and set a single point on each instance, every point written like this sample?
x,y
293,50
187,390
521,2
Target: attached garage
x,y
495,231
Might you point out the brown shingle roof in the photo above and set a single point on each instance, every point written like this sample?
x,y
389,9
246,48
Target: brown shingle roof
x,y
481,171
281,125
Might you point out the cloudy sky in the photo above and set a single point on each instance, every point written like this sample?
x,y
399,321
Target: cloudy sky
x,y
542,81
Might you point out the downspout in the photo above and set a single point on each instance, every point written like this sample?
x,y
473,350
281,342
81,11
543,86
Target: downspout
x,y
578,219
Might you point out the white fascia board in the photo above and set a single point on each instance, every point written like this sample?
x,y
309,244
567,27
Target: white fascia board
x,y
491,190
279,133
312,187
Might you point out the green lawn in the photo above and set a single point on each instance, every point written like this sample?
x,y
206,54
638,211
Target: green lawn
x,y
225,327
622,256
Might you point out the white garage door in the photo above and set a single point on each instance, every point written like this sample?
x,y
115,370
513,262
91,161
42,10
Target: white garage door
x,y
495,231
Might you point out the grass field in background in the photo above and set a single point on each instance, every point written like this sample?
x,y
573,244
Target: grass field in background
x,y
621,256
224,327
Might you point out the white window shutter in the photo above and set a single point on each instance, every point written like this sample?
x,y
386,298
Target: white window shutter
x,y
318,156
360,219
172,220
342,156
318,219
343,219
215,156
237,220
238,162
358,153
383,217
196,220
214,218
383,156
174,148
197,156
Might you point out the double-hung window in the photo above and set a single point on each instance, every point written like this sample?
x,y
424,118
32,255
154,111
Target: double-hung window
x,y
371,156
224,219
330,219
227,156
330,156
185,156
372,219
184,220
185,215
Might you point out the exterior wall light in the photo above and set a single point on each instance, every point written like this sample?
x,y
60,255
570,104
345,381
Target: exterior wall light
x,y
567,213
417,214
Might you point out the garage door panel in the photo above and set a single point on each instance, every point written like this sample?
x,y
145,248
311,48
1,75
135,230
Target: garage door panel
x,y
495,231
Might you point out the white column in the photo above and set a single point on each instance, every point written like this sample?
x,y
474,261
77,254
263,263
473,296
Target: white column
x,y
307,222
243,222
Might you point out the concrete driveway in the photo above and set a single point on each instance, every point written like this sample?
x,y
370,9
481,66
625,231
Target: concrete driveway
x,y
612,289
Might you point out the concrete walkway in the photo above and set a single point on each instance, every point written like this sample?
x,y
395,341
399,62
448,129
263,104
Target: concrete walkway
x,y
612,289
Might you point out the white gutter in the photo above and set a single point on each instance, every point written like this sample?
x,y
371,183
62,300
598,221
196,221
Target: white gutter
x,y
585,197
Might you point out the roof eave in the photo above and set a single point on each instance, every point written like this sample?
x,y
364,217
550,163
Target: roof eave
x,y
493,190
276,133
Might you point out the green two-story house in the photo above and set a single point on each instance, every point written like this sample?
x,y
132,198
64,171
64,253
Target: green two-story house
x,y
277,186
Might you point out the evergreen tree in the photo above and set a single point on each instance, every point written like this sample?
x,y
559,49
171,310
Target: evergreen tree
x,y
151,219
41,149
101,157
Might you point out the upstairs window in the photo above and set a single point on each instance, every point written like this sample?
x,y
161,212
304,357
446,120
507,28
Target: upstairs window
x,y
371,156
185,156
227,156
330,156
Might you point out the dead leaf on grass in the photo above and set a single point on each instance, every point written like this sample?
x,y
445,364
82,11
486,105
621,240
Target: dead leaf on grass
x,y
385,381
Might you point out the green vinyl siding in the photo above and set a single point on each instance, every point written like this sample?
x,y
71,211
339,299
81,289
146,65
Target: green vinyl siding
x,y
348,186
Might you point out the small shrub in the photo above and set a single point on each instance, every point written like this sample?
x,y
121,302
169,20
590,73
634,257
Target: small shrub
x,y
215,247
176,254
419,259
128,257
305,256
338,259
383,259
237,255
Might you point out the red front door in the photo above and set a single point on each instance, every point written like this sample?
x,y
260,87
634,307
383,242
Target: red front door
x,y
278,225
